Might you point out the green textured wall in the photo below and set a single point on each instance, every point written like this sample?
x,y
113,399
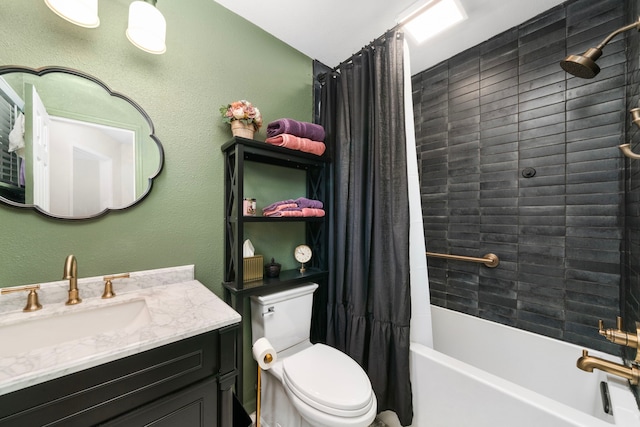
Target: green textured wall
x,y
213,57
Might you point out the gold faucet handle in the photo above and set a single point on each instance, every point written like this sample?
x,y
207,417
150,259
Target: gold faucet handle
x,y
108,286
618,336
32,298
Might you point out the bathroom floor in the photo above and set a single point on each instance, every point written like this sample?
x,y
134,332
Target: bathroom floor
x,y
386,419
378,423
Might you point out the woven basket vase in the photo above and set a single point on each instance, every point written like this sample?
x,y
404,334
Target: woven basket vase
x,y
239,128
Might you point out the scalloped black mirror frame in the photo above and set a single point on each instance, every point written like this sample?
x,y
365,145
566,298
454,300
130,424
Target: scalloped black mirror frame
x,y
53,69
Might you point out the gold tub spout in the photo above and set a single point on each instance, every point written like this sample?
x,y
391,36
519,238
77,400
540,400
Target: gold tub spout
x,y
71,274
589,363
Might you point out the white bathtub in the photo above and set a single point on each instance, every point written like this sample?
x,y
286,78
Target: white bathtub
x,y
482,373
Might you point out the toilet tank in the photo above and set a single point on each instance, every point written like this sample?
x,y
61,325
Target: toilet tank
x,y
284,318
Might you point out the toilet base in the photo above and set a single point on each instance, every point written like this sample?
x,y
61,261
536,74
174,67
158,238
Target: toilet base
x,y
276,410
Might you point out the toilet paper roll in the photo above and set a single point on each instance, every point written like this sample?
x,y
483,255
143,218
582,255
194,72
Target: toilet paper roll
x,y
264,353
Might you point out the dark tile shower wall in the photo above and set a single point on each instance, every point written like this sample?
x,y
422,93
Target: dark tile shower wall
x,y
631,282
520,159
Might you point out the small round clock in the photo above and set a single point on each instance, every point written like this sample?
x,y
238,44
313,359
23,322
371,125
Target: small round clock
x,y
302,254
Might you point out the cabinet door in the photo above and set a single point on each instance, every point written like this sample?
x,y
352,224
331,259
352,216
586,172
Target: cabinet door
x,y
195,406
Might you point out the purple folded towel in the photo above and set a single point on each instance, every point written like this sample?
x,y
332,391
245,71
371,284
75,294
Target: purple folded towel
x,y
311,131
273,206
303,202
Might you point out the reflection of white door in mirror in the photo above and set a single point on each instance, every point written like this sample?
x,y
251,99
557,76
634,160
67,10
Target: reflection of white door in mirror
x,y
92,167
41,122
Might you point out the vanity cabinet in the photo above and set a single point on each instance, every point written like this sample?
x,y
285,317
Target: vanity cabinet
x,y
236,152
186,383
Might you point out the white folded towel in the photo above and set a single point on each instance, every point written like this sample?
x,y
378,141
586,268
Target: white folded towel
x,y
16,136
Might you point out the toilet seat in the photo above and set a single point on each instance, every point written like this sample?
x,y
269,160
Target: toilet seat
x,y
343,390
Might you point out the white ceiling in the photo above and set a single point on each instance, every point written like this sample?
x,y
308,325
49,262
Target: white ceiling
x,y
333,30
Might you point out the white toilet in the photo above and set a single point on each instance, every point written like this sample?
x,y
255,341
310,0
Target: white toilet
x,y
308,385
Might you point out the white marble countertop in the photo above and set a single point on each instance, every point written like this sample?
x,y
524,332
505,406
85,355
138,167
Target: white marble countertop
x,y
179,307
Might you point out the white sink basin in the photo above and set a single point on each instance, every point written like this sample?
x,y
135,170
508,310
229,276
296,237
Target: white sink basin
x,y
74,323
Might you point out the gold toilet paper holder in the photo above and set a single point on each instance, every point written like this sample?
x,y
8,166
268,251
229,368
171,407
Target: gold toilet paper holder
x,y
268,358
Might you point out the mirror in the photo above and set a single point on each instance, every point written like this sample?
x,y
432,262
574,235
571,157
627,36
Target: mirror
x,y
70,147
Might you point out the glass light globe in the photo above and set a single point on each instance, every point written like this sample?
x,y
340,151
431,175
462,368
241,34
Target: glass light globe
x,y
147,27
79,12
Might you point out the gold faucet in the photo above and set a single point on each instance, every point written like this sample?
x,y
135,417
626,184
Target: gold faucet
x,y
71,274
589,363
617,336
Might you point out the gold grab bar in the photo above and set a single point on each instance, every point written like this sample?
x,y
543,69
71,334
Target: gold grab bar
x,y
490,260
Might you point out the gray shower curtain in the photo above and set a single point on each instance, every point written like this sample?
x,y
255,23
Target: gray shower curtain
x,y
369,306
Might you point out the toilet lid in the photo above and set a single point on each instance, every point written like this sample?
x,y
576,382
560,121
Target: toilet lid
x,y
328,380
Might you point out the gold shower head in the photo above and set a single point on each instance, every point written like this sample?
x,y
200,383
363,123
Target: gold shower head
x,y
584,66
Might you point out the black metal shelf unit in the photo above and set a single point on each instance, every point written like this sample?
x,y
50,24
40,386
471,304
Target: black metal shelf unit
x,y
236,152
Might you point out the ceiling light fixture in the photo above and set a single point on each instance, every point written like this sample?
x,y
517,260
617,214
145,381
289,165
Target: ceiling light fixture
x,y
147,27
432,18
79,12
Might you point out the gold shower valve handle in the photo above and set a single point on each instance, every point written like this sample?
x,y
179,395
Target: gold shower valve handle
x,y
108,286
627,151
626,148
32,298
618,336
635,116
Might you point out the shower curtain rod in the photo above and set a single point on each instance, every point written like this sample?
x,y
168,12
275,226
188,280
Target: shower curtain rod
x,y
374,41
490,260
